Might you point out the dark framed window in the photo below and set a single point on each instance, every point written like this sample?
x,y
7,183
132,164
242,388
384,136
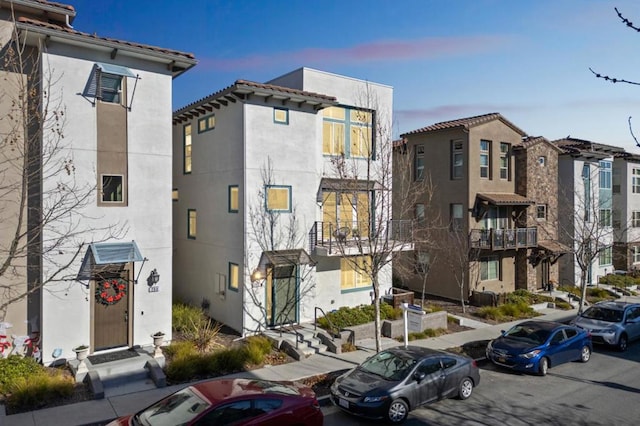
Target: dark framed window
x,y
112,189
457,160
278,198
234,200
206,123
418,173
281,115
191,223
187,149
234,276
505,163
485,159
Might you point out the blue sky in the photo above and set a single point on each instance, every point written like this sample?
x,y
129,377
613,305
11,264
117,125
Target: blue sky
x,y
446,59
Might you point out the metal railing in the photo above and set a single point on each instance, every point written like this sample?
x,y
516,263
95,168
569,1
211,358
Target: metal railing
x,y
330,234
333,331
503,239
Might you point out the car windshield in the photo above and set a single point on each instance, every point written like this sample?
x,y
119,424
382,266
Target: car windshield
x,y
603,314
389,365
528,333
176,409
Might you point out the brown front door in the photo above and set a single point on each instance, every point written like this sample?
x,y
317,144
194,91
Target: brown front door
x,y
111,313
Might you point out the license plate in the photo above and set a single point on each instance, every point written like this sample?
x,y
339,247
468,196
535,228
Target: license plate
x,y
501,359
343,403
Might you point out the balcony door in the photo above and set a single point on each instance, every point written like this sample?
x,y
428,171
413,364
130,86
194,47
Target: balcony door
x,y
347,211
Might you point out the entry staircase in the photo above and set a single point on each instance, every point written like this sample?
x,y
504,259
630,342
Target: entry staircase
x,y
303,337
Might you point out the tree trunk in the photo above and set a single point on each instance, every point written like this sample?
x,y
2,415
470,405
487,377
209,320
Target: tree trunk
x,y
583,291
376,304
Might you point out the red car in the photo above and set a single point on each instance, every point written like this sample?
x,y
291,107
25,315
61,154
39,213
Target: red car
x,y
233,402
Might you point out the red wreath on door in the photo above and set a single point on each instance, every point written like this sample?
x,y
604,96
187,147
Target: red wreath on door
x,y
110,292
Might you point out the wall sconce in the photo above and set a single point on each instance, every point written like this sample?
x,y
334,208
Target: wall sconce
x,y
257,277
154,277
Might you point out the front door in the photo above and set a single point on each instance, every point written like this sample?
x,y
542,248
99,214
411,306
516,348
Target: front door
x,y
282,295
111,312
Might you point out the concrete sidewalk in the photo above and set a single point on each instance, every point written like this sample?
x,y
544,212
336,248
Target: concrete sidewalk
x,y
131,399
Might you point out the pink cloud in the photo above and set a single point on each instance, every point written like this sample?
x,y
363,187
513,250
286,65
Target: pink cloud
x,y
378,51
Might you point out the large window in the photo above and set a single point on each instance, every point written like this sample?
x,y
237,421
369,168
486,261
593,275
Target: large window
x,y
418,173
505,170
605,257
347,131
234,276
489,268
110,87
457,160
233,199
485,159
541,212
635,181
112,191
605,174
635,252
206,123
278,198
605,217
635,219
419,213
191,224
187,148
355,273
281,115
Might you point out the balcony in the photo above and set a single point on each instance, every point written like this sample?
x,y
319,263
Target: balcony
x,y
503,239
355,238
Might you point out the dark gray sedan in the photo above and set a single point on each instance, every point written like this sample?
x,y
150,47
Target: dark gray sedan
x,y
395,381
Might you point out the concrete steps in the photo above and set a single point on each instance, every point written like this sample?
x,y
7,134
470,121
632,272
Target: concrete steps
x,y
307,341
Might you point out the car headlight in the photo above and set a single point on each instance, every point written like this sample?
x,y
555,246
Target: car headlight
x,y
375,398
531,354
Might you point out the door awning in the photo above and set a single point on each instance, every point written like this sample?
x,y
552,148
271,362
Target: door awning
x,y
108,257
505,199
346,185
283,258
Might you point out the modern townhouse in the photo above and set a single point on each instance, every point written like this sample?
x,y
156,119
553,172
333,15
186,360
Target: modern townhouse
x,y
269,229
586,182
494,187
92,231
626,211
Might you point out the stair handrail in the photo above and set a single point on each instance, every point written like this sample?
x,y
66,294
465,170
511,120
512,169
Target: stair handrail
x,y
333,329
291,329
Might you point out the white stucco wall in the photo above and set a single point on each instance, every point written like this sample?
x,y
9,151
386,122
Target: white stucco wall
x,y
66,306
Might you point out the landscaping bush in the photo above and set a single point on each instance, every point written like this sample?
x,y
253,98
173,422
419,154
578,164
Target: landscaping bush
x,y
14,368
597,294
183,316
424,334
38,389
523,296
507,311
180,349
256,348
202,333
347,317
619,280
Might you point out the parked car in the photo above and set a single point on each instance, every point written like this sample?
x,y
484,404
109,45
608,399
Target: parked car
x,y
395,381
612,323
535,346
233,402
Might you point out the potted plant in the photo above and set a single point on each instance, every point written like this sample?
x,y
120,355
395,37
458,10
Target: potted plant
x,y
81,352
158,338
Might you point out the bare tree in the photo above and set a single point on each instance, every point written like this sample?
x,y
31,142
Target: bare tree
x,y
277,234
41,202
372,242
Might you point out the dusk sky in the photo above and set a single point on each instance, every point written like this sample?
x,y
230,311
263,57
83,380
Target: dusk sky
x,y
446,59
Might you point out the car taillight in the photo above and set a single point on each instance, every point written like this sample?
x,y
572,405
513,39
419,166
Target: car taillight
x,y
315,404
474,363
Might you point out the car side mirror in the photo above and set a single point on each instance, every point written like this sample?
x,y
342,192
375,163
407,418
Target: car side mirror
x,y
419,376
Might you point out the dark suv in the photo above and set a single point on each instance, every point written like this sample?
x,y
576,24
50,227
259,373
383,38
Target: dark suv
x,y
611,323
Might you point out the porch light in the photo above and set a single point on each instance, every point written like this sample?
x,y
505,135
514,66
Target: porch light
x,y
257,275
154,278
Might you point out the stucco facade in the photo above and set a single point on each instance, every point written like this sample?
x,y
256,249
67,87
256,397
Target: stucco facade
x,y
126,187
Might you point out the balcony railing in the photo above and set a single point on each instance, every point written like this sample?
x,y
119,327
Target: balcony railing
x,y
345,237
503,239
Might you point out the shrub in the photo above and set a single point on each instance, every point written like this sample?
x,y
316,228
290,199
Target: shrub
x,y
425,334
619,280
180,349
347,317
256,348
490,312
183,316
186,367
15,367
349,347
230,360
38,389
507,311
202,333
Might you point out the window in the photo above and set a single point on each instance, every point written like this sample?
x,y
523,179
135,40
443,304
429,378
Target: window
x,y
191,224
605,174
456,217
457,160
187,149
110,87
504,161
586,180
278,198
419,213
489,268
234,276
422,261
112,189
635,253
418,173
635,219
353,273
541,212
635,181
485,157
233,199
605,257
542,160
347,131
206,123
605,217
174,194
281,115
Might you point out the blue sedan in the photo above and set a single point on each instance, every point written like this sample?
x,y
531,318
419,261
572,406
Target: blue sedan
x,y
534,346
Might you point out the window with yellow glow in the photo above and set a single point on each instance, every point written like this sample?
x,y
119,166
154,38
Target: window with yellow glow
x,y
233,199
347,131
278,198
187,148
191,224
234,276
355,272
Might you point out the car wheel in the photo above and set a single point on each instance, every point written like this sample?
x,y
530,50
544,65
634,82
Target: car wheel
x,y
398,411
585,354
465,388
623,342
543,367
